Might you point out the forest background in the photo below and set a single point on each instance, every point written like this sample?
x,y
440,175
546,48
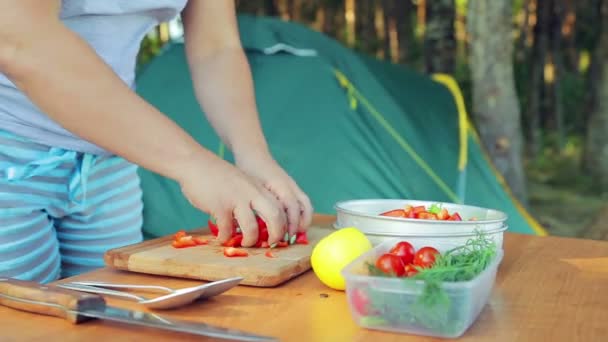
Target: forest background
x,y
534,74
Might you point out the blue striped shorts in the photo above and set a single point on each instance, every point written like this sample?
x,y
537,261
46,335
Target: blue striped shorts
x,y
60,210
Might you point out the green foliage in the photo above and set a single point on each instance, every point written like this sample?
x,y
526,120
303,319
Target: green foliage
x,y
561,168
573,94
150,47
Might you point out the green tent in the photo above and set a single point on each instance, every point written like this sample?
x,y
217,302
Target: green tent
x,y
344,125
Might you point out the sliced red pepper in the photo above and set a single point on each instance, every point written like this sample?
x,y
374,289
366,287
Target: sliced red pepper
x,y
200,240
262,231
234,241
235,252
182,242
394,213
282,244
179,234
262,236
269,254
261,223
264,244
301,238
212,227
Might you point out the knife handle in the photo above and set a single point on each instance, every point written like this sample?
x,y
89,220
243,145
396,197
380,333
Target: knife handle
x,y
48,299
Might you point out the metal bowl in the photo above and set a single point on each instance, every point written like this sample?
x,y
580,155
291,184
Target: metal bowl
x,y
364,214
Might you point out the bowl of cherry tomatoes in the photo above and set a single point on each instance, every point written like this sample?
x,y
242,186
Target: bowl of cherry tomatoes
x,y
382,219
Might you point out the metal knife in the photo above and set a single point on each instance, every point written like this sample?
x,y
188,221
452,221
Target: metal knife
x,y
78,307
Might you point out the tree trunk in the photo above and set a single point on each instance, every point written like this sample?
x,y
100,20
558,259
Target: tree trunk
x,y
295,10
404,10
439,40
596,145
365,26
524,32
495,102
270,8
391,42
556,120
537,61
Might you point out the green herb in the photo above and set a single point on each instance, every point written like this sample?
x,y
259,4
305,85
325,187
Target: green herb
x,y
435,208
434,309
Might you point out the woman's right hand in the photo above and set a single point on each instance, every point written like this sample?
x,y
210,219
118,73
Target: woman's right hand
x,y
223,191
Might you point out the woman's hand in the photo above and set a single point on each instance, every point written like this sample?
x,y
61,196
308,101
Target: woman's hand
x,y
226,193
271,176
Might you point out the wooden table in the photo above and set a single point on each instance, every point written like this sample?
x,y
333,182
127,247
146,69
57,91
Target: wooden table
x,y
548,289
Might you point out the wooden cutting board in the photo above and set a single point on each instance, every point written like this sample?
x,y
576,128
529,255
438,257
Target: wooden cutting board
x,y
208,262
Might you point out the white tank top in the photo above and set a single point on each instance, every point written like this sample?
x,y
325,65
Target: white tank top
x,y
114,29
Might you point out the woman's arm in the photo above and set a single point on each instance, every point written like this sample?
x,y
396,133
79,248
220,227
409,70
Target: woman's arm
x,y
221,75
66,79
223,85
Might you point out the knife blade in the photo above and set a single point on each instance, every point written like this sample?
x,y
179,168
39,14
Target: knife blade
x,y
78,307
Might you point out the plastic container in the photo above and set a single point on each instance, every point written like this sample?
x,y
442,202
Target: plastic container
x,y
364,214
397,298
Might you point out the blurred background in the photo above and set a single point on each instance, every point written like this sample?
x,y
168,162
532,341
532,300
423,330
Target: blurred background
x,y
542,113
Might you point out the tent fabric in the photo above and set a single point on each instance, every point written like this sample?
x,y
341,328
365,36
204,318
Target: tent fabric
x,y
344,125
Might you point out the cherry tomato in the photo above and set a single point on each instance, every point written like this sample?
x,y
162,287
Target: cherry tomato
x,y
427,216
454,217
405,251
443,214
360,301
390,264
410,270
425,257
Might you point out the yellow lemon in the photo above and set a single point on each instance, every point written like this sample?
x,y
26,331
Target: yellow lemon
x,y
334,252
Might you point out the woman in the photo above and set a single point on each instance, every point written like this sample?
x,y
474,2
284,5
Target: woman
x,y
73,132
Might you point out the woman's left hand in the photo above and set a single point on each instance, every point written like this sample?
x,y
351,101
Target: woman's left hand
x,y
296,203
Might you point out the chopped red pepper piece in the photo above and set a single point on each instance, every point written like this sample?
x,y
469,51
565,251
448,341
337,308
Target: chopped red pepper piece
x,y
301,238
182,242
179,234
213,227
200,241
235,252
234,241
282,244
269,254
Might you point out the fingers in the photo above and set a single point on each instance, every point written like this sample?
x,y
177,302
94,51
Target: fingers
x,y
248,224
289,203
306,210
223,219
271,212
